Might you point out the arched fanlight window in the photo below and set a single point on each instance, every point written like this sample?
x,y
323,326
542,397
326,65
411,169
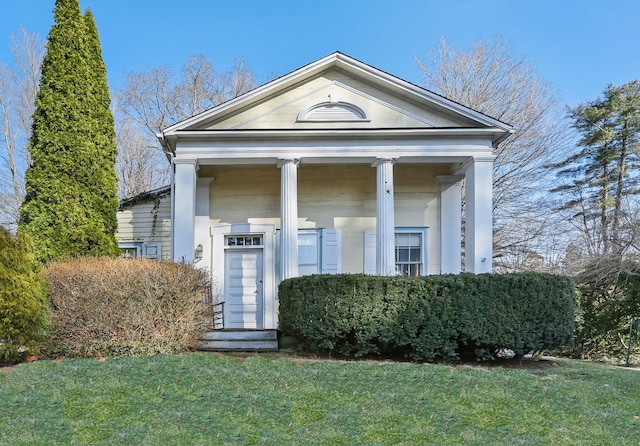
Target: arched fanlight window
x,y
333,111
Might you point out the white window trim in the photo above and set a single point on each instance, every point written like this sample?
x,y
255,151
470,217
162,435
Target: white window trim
x,y
423,244
370,248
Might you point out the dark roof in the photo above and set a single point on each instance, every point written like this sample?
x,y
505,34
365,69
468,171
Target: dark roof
x,y
145,196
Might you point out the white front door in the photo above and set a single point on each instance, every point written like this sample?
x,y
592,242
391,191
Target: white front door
x,y
244,298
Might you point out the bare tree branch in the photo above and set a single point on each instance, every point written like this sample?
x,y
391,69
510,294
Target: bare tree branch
x,y
18,89
157,98
489,78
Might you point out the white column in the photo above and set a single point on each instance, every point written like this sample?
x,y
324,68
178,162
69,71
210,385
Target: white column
x,y
288,218
184,211
385,218
202,237
479,215
450,223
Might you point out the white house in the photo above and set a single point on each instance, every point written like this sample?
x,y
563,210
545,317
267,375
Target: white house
x,y
335,167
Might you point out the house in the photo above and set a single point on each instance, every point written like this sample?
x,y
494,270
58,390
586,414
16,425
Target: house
x,y
335,167
144,225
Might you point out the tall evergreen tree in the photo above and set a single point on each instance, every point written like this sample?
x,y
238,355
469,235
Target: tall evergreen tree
x,y
105,135
602,175
71,202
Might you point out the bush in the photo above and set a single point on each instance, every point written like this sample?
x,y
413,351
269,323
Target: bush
x,y
435,317
522,312
114,306
609,300
23,304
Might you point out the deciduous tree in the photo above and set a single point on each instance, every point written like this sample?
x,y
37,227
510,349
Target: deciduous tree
x,y
18,88
159,97
489,78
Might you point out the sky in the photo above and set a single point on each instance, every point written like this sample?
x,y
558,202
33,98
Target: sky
x,y
578,46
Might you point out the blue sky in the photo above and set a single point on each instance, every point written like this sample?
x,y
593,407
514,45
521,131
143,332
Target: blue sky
x,y
579,46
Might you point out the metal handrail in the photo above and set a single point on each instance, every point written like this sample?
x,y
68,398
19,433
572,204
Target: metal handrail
x,y
218,315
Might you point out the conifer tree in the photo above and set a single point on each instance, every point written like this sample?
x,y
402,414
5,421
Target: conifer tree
x,y
105,136
602,175
23,302
71,202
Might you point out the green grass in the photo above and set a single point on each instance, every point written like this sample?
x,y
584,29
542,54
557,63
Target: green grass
x,y
204,399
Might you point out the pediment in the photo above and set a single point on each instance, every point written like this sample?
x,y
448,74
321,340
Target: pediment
x,y
337,92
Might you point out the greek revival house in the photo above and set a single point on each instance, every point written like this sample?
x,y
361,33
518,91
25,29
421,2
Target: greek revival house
x,y
337,167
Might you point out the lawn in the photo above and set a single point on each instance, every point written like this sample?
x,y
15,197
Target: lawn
x,y
205,399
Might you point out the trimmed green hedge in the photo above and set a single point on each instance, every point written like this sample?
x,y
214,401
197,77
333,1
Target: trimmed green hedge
x,y
434,317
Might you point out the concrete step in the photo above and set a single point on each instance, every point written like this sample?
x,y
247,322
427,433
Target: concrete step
x,y
239,340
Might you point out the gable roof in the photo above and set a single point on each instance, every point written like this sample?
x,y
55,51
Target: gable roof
x,y
354,68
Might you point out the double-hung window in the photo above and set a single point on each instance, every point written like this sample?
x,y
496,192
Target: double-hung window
x,y
410,251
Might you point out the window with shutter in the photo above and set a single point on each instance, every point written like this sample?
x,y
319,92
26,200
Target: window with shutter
x,y
410,248
319,252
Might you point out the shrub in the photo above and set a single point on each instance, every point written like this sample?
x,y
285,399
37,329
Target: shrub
x,y
23,304
609,289
428,317
114,306
523,312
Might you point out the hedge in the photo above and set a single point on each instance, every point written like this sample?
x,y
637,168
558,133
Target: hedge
x,y
426,318
106,306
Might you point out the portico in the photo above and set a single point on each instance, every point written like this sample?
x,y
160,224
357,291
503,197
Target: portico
x,y
336,167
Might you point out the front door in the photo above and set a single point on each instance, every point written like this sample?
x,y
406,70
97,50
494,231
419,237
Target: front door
x,y
244,298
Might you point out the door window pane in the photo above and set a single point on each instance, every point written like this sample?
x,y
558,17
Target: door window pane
x,y
235,240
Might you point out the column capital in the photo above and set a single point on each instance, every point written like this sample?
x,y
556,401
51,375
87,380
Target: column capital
x,y
206,180
379,161
187,161
477,159
283,161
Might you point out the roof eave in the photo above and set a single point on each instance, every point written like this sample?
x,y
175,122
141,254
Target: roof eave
x,y
496,134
